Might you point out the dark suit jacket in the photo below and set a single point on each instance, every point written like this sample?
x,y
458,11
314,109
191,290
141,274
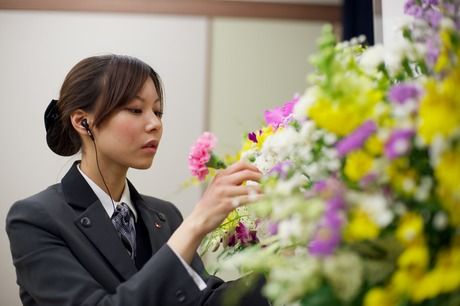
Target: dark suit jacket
x,y
67,252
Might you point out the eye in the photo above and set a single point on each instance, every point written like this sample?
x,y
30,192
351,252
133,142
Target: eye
x,y
134,110
158,114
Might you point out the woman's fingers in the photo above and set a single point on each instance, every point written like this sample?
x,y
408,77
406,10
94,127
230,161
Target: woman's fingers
x,y
233,191
238,201
239,166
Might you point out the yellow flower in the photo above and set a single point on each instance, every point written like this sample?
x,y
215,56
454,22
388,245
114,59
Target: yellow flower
x,y
447,172
402,282
428,286
379,297
358,164
414,259
439,112
402,177
361,227
346,111
448,264
410,229
374,145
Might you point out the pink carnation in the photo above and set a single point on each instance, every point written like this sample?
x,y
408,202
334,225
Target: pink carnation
x,y
200,154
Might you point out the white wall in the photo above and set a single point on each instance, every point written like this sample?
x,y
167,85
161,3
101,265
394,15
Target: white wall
x,y
37,49
256,65
393,10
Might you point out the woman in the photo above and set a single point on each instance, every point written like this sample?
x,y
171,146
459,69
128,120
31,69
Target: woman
x,y
93,239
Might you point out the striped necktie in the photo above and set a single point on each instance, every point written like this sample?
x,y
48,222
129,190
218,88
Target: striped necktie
x,y
124,224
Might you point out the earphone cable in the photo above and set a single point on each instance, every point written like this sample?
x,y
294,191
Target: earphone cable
x,y
100,172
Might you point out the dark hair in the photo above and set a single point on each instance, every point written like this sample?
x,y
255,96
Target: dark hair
x,y
98,84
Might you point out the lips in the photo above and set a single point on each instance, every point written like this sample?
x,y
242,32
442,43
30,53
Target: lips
x,y
150,144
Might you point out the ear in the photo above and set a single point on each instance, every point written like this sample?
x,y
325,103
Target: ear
x,y
77,117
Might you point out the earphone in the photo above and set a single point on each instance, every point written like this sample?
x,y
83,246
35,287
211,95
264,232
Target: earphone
x,y
85,124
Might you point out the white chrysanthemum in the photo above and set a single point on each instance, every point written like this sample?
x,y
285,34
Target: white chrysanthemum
x,y
281,143
290,228
305,102
287,187
372,57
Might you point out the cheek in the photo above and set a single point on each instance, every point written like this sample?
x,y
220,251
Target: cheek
x,y
126,132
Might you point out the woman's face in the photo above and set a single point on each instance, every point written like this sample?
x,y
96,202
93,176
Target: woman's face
x,y
130,136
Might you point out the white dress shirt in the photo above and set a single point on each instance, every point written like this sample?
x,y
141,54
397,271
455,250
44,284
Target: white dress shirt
x,y
108,205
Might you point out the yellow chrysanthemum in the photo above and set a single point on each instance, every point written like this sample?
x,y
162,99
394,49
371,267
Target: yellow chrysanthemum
x,y
374,145
414,258
448,175
448,264
361,227
402,178
402,282
439,111
443,61
267,131
358,164
410,229
379,297
429,286
343,114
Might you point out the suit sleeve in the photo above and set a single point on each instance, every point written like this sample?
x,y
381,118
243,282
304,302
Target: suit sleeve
x,y
51,275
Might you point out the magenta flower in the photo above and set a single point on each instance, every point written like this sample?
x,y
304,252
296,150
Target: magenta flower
x,y
399,143
243,236
201,156
356,139
252,137
281,115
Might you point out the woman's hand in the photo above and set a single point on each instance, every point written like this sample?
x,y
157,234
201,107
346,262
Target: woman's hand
x,y
223,194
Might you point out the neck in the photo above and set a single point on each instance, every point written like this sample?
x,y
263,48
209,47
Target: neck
x,y
112,178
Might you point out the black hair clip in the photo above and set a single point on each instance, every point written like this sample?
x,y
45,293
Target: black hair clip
x,y
51,114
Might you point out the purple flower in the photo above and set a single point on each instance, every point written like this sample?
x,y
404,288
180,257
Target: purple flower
x,y
400,93
433,17
367,180
432,46
356,139
327,236
335,203
272,228
430,2
411,8
399,143
281,169
280,115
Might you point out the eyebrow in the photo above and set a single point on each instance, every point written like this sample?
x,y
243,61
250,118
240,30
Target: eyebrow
x,y
143,100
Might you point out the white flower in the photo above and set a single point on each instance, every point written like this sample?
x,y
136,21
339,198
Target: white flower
x,y
440,221
290,228
371,58
375,205
304,103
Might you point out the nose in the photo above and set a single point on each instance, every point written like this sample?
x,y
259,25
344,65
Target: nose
x,y
153,123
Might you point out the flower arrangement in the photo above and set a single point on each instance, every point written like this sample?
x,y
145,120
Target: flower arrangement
x,y
361,175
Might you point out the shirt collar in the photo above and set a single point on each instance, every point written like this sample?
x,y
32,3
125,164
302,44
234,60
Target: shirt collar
x,y
105,199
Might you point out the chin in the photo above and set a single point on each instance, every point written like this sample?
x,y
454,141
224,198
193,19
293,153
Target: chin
x,y
142,165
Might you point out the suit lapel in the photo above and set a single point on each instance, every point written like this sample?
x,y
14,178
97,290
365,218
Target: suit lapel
x,y
95,224
157,230
155,221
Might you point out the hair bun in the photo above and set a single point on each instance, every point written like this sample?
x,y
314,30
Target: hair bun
x,y
57,138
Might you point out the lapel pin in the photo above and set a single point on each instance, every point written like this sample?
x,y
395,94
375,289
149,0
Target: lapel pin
x,y
157,225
